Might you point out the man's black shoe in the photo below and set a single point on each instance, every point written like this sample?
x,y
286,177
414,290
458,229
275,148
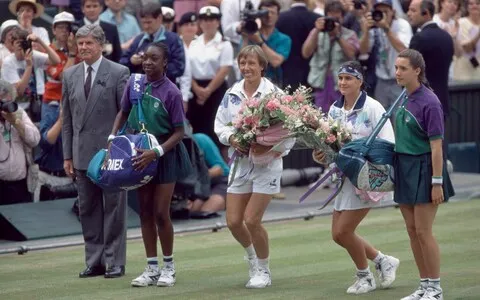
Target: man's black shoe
x,y
115,271
92,271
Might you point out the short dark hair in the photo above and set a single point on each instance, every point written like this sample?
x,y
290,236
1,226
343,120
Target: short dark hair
x,y
358,67
427,6
416,60
163,47
270,3
334,5
20,4
99,1
20,35
151,10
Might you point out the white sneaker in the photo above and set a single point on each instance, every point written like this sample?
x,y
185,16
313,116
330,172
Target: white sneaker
x,y
362,285
148,277
167,277
433,294
417,295
252,266
260,280
386,270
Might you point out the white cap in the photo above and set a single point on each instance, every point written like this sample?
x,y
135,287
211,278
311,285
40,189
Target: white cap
x,y
8,23
63,17
209,12
168,13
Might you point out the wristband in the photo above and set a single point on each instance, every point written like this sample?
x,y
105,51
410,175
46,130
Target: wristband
x,y
110,138
159,151
437,180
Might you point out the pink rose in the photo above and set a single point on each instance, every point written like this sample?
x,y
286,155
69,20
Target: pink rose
x,y
287,99
331,139
272,105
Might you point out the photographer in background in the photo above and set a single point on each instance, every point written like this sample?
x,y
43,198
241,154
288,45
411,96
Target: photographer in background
x,y
331,45
26,11
17,134
393,36
231,21
275,44
25,67
50,155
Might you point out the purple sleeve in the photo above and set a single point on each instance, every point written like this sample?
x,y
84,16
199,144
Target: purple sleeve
x,y
126,104
175,108
434,121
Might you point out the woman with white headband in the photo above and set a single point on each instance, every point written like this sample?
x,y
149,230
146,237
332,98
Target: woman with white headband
x,y
362,113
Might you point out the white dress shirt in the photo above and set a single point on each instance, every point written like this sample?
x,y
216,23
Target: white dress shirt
x,y
87,22
207,58
95,67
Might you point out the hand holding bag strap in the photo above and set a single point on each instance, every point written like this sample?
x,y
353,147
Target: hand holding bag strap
x,y
385,117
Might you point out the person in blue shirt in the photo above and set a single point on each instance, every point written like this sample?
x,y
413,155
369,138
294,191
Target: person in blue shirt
x,y
153,31
218,172
275,44
126,23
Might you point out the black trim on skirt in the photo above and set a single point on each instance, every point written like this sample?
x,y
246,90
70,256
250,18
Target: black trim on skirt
x,y
202,117
413,179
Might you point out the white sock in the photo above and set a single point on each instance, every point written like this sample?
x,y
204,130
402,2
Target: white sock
x,y
379,257
153,262
251,252
424,283
434,283
364,272
168,262
263,263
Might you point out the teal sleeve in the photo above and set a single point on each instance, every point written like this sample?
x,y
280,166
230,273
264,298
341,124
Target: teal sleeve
x,y
211,152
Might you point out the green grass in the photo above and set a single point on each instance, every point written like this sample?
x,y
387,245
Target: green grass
x,y
305,263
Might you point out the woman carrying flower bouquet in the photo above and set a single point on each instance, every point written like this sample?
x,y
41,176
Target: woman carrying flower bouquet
x,y
362,113
421,178
162,106
252,185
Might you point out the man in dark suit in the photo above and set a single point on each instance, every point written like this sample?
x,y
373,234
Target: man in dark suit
x,y
91,10
297,22
91,95
436,47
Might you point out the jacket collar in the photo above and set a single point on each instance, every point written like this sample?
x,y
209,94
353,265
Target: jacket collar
x,y
265,87
358,104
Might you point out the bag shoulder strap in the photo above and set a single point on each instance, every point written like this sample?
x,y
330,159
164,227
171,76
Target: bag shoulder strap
x,y
136,93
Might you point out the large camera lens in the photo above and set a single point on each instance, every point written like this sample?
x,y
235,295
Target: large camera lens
x,y
250,27
26,44
377,15
9,107
329,24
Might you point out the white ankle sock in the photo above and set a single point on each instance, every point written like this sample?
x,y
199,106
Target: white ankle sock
x,y
251,252
168,262
364,272
263,263
424,283
153,262
434,283
379,257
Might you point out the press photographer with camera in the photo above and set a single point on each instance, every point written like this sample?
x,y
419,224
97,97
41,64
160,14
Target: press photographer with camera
x,y
329,45
393,35
26,11
18,135
232,12
25,69
275,44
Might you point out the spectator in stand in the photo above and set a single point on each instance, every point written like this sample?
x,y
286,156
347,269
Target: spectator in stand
x,y
319,7
446,18
393,35
92,10
17,136
168,18
436,47
330,47
275,44
135,6
6,38
26,11
211,58
297,22
153,31
467,62
25,67
218,171
187,29
182,7
50,156
126,23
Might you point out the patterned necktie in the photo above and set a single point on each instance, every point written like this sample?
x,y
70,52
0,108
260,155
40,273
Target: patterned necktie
x,y
88,82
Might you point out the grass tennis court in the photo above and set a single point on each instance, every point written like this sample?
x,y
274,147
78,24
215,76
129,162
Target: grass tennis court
x,y
305,263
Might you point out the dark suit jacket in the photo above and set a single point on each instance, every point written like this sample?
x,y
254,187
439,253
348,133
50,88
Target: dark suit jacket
x,y
436,46
111,34
88,122
297,22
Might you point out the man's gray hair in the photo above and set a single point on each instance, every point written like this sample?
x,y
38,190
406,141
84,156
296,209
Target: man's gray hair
x,y
6,88
94,30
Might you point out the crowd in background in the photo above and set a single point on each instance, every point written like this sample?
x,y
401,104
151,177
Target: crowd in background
x,y
305,43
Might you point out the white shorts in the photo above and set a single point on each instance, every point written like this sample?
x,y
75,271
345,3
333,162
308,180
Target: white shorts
x,y
251,178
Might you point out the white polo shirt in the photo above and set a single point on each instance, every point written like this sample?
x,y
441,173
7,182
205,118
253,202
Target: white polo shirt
x,y
207,58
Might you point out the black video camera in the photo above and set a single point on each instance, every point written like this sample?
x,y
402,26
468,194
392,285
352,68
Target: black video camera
x,y
26,44
8,106
329,25
249,15
74,28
